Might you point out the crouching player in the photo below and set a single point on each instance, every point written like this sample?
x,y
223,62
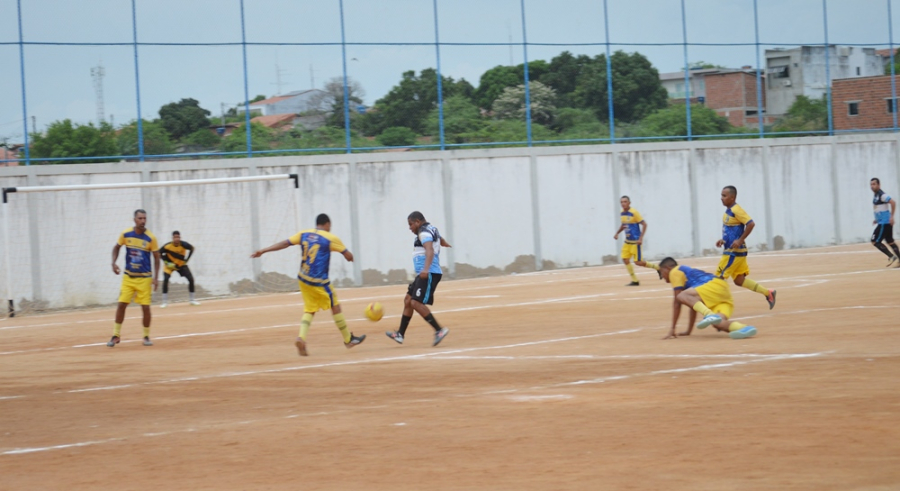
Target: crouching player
x,y
705,294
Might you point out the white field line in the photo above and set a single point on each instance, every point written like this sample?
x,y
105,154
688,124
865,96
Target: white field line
x,y
518,398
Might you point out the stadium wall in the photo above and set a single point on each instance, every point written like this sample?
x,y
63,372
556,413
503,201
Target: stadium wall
x,y
503,210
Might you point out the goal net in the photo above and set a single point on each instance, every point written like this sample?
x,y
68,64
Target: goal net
x,y
57,240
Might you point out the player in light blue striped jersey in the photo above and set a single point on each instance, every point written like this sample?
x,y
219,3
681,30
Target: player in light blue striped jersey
x,y
427,264
885,206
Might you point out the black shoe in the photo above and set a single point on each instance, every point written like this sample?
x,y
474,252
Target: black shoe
x,y
354,340
634,283
113,341
771,299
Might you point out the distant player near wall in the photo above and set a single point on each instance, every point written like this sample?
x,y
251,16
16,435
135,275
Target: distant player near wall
x,y
635,228
885,207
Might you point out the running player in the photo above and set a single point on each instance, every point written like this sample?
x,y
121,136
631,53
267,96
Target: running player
x,y
426,261
885,206
635,228
139,276
707,295
316,247
175,256
736,227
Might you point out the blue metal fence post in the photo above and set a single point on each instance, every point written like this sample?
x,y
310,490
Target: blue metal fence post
x,y
137,82
687,81
609,82
827,68
246,85
22,74
893,69
346,89
759,106
527,89
440,90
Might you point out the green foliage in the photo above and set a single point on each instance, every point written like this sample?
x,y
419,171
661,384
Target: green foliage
x,y
494,81
507,130
204,138
258,98
461,116
262,138
156,140
637,91
672,121
805,114
397,136
64,139
704,65
511,103
563,74
570,117
409,102
182,118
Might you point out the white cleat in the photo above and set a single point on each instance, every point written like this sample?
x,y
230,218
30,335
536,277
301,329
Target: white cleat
x,y
194,302
163,305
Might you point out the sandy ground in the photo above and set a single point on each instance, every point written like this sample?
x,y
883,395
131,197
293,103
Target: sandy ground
x,y
554,380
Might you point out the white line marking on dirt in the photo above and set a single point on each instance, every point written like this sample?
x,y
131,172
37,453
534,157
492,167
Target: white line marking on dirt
x,y
556,397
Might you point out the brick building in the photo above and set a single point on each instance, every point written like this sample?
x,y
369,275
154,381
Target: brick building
x,y
732,93
863,103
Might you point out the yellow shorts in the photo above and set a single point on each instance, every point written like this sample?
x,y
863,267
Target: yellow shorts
x,y
716,295
732,266
316,298
137,288
632,251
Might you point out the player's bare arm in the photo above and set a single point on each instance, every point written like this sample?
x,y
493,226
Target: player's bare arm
x,y
621,228
284,244
444,243
640,240
115,257
155,270
691,321
676,312
739,242
348,256
429,258
893,209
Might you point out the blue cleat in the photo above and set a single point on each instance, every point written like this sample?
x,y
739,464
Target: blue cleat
x,y
743,333
709,320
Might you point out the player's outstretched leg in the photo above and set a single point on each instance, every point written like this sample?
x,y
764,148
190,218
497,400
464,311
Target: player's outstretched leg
x,y
300,343
404,321
742,280
895,261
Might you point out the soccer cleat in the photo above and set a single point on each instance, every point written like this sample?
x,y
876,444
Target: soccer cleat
x,y
164,305
354,340
893,260
771,299
709,320
194,302
744,332
440,335
113,341
147,341
395,335
301,347
634,283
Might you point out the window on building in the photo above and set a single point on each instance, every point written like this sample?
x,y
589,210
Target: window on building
x,y
853,108
891,104
858,72
779,71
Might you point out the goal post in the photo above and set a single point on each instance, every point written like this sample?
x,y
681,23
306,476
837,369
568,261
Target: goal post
x,y
57,239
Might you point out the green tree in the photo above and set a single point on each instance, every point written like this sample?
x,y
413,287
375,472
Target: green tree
x,y
156,139
703,65
258,98
494,81
262,138
182,118
333,98
461,116
397,136
409,102
637,91
204,138
64,139
511,103
563,74
672,121
805,114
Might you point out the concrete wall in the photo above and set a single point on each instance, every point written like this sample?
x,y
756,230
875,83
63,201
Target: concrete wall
x,y
503,210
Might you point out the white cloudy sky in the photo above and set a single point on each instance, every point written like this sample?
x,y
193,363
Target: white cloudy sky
x,y
59,84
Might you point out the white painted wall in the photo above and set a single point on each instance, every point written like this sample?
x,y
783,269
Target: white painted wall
x,y
557,204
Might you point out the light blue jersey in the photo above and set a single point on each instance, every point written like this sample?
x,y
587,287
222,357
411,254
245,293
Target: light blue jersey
x,y
882,204
427,233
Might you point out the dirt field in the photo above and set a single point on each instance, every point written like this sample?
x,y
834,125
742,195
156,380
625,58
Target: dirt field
x,y
547,381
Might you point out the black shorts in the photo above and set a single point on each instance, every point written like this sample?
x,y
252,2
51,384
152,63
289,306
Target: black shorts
x,y
883,232
422,290
184,271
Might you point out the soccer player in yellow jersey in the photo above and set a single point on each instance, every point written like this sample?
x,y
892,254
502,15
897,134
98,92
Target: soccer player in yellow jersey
x,y
139,244
175,256
705,294
736,227
635,228
316,247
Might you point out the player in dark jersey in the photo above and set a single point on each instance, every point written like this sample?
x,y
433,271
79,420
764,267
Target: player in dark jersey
x,y
175,256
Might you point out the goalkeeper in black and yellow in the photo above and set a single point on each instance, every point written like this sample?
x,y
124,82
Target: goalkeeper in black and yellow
x,y
175,255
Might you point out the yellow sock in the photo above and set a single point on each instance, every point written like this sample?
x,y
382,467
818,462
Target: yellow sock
x,y
146,332
735,326
755,287
700,308
304,325
631,272
342,325
118,330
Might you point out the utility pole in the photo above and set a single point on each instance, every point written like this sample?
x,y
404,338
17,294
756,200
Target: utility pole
x,y
34,125
223,114
97,73
312,77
